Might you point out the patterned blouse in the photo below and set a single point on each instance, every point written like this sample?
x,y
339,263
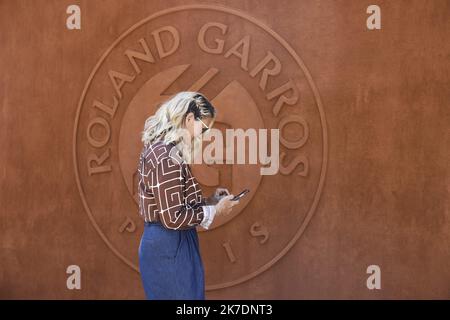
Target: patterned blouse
x,y
168,192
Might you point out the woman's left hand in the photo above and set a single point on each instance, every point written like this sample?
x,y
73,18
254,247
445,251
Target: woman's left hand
x,y
218,194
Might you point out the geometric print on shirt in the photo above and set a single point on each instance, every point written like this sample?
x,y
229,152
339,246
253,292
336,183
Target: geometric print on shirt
x,y
168,192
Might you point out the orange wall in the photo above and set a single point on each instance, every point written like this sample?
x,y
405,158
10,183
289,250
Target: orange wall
x,y
367,182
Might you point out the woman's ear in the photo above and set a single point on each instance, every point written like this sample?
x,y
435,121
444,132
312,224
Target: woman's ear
x,y
189,117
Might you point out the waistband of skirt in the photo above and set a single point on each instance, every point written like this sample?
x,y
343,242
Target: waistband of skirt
x,y
152,223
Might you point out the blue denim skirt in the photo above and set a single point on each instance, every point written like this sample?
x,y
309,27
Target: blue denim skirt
x,y
170,263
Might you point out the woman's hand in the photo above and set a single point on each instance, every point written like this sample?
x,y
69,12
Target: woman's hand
x,y
218,194
225,204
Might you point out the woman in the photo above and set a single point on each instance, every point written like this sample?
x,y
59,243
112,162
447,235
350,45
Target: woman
x,y
171,201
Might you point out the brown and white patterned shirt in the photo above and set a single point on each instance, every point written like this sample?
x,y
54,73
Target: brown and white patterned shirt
x,y
168,192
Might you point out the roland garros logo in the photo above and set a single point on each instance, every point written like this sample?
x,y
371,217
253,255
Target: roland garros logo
x,y
256,81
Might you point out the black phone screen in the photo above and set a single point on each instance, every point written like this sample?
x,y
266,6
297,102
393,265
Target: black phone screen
x,y
240,195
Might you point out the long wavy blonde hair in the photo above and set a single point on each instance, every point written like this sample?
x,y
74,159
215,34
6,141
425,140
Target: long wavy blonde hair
x,y
168,123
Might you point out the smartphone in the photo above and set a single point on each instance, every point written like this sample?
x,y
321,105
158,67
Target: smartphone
x,y
240,195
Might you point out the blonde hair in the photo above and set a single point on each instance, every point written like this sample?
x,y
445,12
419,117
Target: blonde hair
x,y
168,123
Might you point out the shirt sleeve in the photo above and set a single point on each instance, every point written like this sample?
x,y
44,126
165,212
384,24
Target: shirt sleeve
x,y
169,190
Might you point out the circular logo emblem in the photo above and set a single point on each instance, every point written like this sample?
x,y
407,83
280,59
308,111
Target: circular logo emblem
x,y
256,81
